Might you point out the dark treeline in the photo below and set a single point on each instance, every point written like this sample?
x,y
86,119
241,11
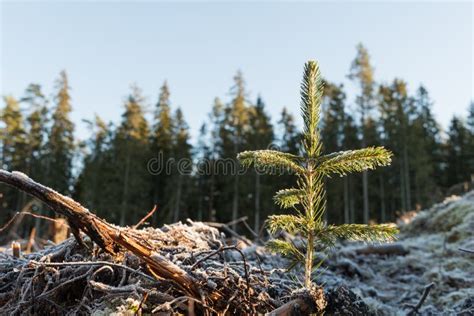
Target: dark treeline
x,y
116,171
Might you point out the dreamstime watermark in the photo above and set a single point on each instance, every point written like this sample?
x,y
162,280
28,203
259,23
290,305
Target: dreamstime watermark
x,y
160,165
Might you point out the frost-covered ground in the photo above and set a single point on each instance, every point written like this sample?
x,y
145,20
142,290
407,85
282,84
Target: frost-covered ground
x,y
428,252
432,240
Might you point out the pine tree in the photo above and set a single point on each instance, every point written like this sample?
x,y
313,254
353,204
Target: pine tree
x,y
363,72
260,135
131,154
332,131
470,149
14,150
37,130
456,155
61,140
427,145
92,185
182,155
216,182
350,141
397,109
308,198
289,140
162,148
233,132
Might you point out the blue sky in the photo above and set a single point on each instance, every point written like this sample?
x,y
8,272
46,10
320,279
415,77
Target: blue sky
x,y
198,47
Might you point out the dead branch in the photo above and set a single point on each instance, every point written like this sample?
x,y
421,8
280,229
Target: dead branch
x,y
21,214
146,217
107,236
92,263
385,249
415,309
466,250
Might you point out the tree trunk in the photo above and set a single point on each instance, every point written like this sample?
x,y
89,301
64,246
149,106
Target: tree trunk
x,y
383,211
177,201
402,189
407,178
212,211
365,186
257,203
125,190
347,219
365,189
351,201
235,201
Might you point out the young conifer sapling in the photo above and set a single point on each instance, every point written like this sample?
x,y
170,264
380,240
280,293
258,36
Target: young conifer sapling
x,y
308,197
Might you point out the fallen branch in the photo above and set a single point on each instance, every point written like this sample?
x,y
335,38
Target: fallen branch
x,y
415,308
386,249
107,236
466,250
92,263
146,217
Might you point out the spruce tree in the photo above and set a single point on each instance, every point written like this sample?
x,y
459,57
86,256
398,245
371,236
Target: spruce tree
x,y
37,121
60,144
233,132
95,179
162,148
397,110
131,154
363,73
182,154
216,182
311,168
289,140
14,150
332,131
260,135
456,153
470,149
426,142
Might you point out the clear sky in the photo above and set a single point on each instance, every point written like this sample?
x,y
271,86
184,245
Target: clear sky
x,y
198,47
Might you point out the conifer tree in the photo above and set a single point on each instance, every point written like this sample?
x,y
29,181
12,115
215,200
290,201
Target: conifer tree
x,y
470,127
14,149
37,130
61,140
260,135
362,72
397,109
427,145
332,131
181,153
350,141
235,126
308,197
96,177
290,138
216,182
131,148
202,183
288,141
456,153
162,148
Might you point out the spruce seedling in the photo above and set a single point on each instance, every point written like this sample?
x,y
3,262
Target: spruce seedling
x,y
308,197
